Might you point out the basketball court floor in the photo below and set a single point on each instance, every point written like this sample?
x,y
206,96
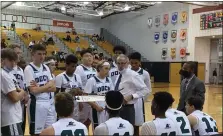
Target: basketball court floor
x,y
212,106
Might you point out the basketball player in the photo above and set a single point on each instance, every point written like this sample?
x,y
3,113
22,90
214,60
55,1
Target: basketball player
x,y
113,73
11,95
19,75
201,123
135,62
160,125
115,126
99,84
85,71
69,81
180,119
40,84
66,125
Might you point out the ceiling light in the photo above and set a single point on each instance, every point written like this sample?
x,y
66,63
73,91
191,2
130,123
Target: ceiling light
x,y
159,2
19,3
126,7
213,36
101,13
63,8
85,3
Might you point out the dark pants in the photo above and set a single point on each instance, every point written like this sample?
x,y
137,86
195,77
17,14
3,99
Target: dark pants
x,y
12,130
24,121
128,113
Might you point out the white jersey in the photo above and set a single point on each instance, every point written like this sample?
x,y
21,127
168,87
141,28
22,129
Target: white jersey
x,y
85,73
99,86
52,93
146,78
41,75
66,83
11,113
181,120
113,73
19,75
119,126
206,124
69,126
165,126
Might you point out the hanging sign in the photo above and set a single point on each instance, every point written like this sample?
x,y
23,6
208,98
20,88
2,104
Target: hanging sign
x,y
165,36
156,37
165,19
173,53
150,22
174,18
157,21
164,53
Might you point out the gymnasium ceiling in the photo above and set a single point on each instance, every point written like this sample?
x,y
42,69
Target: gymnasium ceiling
x,y
101,9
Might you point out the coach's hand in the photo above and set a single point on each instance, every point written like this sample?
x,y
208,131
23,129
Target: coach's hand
x,y
99,108
127,98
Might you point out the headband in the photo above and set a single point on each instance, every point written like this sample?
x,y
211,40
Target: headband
x,y
50,61
106,64
113,108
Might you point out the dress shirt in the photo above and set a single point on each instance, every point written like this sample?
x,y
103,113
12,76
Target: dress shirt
x,y
132,84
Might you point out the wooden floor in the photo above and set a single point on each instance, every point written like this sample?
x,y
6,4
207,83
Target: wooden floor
x,y
212,106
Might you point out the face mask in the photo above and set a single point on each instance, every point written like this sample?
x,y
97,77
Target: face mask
x,y
184,73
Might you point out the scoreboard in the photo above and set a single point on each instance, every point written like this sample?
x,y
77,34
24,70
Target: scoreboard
x,y
211,20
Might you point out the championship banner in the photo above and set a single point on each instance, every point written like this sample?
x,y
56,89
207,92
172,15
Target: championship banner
x,y
60,23
174,18
164,53
150,22
157,21
165,36
182,52
165,19
183,16
173,35
183,34
156,37
173,53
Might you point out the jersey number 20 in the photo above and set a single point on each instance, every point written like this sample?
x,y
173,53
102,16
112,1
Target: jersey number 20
x,y
77,132
182,126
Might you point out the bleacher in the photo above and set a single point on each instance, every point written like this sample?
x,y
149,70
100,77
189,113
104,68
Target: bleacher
x,y
72,45
106,46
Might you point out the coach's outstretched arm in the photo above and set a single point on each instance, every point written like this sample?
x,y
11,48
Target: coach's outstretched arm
x,y
141,88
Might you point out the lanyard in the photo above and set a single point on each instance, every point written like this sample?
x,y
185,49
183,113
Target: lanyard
x,y
189,81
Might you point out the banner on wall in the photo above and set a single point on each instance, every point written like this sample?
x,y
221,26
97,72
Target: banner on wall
x,y
165,19
174,18
183,16
165,36
173,53
182,52
183,34
150,22
164,53
156,37
157,21
173,35
60,23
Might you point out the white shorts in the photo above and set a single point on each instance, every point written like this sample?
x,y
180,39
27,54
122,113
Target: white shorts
x,y
99,117
86,113
139,112
41,115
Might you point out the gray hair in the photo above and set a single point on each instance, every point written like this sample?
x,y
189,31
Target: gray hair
x,y
122,56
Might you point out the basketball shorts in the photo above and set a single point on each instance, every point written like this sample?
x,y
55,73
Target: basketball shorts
x,y
12,130
41,115
99,117
139,112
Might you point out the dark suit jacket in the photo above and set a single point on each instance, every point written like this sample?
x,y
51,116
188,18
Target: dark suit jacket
x,y
195,88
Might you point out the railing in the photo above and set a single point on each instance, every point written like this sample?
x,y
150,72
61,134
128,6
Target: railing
x,y
114,40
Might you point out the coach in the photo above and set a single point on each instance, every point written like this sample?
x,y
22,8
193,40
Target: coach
x,y
190,85
132,87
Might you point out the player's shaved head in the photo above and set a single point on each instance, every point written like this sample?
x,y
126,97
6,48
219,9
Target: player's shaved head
x,y
113,107
64,104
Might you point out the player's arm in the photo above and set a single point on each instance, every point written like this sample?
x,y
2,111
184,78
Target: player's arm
x,y
148,128
8,88
147,81
193,120
101,130
88,89
48,131
32,85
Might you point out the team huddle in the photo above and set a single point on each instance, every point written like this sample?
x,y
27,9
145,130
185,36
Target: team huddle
x,y
53,110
